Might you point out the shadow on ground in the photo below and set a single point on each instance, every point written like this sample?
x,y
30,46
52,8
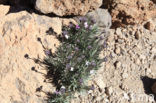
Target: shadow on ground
x,y
148,82
29,6
53,73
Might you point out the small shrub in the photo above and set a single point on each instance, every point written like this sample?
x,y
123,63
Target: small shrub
x,y
75,60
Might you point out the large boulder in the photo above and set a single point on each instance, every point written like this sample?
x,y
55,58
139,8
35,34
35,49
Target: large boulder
x,y
67,7
18,36
102,17
131,11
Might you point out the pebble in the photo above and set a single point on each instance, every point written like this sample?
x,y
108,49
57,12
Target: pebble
x,y
131,97
117,64
76,95
137,61
110,37
115,37
124,75
125,95
120,41
98,98
119,32
137,35
106,100
142,57
117,50
148,70
90,91
100,83
132,32
149,26
153,50
109,91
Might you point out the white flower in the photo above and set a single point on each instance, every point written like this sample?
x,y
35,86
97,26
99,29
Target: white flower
x,y
66,36
86,25
71,69
63,87
92,71
87,63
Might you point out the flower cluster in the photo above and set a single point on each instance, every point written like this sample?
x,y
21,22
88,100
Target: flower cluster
x,y
76,59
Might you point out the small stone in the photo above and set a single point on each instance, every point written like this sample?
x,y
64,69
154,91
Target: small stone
x,y
90,91
148,70
137,35
109,91
100,83
120,41
154,88
124,75
125,95
154,57
117,64
110,37
142,57
117,50
115,37
106,100
149,26
76,95
98,15
137,61
153,50
98,98
118,32
131,97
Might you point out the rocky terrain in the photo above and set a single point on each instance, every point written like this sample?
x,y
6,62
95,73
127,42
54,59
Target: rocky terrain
x,y
129,70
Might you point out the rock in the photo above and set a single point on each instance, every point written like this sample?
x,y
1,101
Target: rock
x,y
117,64
142,58
148,70
124,75
137,35
125,96
149,25
137,61
153,50
139,12
154,88
109,91
4,10
119,32
18,36
47,22
100,83
106,100
131,97
67,7
117,50
98,98
102,17
110,37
